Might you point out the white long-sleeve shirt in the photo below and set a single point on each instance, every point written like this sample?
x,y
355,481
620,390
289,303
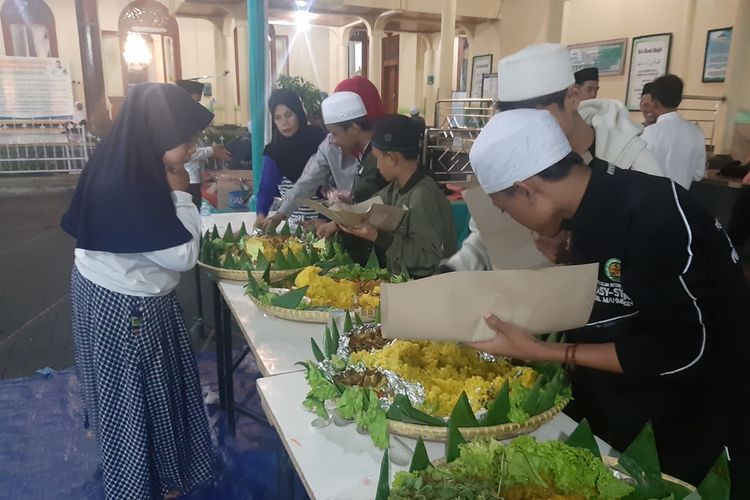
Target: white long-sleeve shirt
x,y
679,146
146,274
193,167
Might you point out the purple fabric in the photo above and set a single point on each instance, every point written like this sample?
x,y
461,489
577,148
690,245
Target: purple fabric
x,y
269,185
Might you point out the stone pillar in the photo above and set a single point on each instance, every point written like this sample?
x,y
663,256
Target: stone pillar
x,y
447,36
376,57
90,43
244,71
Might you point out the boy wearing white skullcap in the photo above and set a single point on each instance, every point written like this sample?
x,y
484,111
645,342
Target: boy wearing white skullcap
x,y
667,341
345,117
541,77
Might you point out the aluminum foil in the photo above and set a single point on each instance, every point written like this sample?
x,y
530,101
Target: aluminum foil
x,y
485,356
398,385
326,366
342,350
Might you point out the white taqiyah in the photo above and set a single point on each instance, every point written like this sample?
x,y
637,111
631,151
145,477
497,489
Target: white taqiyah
x,y
535,71
516,145
341,107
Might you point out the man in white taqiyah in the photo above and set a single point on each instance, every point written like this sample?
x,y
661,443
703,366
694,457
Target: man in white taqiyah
x,y
541,77
667,340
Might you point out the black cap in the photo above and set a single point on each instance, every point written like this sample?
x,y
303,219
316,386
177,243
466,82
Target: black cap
x,y
646,89
396,133
586,74
191,86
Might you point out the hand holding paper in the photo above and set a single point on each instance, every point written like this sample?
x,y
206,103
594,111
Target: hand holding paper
x,y
365,231
373,211
510,340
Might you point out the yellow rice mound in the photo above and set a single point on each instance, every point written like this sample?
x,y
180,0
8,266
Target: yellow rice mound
x,y
325,291
445,370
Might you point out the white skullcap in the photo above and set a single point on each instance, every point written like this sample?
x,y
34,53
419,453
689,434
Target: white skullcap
x,y
342,107
413,111
516,145
535,71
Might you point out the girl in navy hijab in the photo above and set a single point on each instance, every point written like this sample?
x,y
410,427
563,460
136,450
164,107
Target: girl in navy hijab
x,y
293,142
136,230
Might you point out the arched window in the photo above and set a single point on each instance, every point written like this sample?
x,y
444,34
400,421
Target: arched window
x,y
150,43
28,28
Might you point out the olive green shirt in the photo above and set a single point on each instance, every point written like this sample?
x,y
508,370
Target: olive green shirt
x,y
368,180
426,234
366,185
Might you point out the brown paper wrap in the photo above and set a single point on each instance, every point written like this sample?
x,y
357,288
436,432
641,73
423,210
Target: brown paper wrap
x,y
451,306
510,245
373,212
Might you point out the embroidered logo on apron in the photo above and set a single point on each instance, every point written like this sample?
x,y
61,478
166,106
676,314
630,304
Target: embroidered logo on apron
x,y
613,269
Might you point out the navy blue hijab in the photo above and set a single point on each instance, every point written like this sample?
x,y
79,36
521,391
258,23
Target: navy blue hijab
x,y
292,153
122,203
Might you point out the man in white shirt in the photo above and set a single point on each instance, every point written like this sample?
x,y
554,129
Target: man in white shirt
x,y
202,153
678,144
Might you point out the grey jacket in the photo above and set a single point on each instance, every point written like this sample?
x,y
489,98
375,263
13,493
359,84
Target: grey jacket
x,y
329,166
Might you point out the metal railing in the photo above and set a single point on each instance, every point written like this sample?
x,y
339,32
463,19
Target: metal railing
x,y
445,152
704,112
43,146
463,113
458,122
446,146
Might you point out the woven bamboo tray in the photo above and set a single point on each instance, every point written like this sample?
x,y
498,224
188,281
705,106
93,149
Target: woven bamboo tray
x,y
504,431
611,462
237,275
304,315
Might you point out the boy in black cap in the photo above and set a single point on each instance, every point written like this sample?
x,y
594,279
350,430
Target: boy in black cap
x,y
426,233
588,80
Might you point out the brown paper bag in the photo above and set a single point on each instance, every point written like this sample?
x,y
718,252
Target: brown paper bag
x,y
452,306
381,217
510,245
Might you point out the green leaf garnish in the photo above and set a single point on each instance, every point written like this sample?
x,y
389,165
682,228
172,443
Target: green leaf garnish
x,y
290,299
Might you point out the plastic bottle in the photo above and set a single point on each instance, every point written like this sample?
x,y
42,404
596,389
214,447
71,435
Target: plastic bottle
x,y
205,209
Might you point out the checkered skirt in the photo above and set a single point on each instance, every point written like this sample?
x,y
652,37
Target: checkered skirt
x,y
141,392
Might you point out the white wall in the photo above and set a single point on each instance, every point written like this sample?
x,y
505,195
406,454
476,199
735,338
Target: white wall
x,y
687,20
310,54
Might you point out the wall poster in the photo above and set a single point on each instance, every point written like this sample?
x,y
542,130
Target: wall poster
x,y
649,59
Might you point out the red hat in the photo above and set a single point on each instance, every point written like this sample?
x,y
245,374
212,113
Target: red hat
x,y
367,92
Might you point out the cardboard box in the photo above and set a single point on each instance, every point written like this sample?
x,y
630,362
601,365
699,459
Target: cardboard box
x,y
233,189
